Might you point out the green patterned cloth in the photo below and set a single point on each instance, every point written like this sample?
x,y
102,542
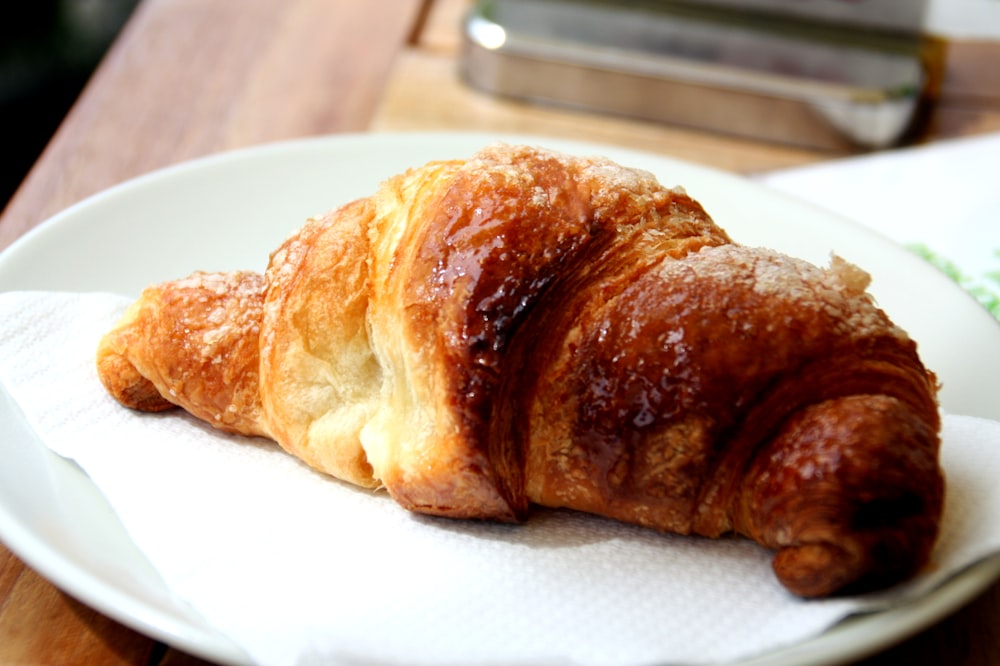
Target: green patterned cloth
x,y
984,287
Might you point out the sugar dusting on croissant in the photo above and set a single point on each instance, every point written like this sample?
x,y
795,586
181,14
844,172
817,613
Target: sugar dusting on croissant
x,y
526,327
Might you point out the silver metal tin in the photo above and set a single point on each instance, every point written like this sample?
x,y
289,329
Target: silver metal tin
x,y
807,83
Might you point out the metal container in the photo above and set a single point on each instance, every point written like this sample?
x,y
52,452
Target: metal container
x,y
821,81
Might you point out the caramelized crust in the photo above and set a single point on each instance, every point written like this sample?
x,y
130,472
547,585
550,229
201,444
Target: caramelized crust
x,y
499,236
526,327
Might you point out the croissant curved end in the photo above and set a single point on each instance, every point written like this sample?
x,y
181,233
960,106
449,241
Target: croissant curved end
x,y
124,382
848,496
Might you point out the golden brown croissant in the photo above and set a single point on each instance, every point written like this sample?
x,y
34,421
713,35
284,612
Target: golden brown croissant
x,y
526,327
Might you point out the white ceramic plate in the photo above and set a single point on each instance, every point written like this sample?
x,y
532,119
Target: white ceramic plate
x,y
229,211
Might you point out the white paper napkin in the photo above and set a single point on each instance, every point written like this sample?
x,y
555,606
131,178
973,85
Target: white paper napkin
x,y
941,200
298,568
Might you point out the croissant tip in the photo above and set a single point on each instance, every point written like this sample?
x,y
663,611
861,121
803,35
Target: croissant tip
x,y
124,382
825,569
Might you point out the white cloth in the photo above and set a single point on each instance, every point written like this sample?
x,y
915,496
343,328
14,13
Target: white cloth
x,y
297,568
963,19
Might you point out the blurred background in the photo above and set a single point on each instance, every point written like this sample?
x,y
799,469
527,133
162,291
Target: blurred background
x,y
785,79
48,50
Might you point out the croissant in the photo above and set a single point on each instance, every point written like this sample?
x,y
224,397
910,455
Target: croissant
x,y
530,328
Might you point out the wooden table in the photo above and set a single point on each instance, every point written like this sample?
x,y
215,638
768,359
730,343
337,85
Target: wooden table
x,y
192,77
